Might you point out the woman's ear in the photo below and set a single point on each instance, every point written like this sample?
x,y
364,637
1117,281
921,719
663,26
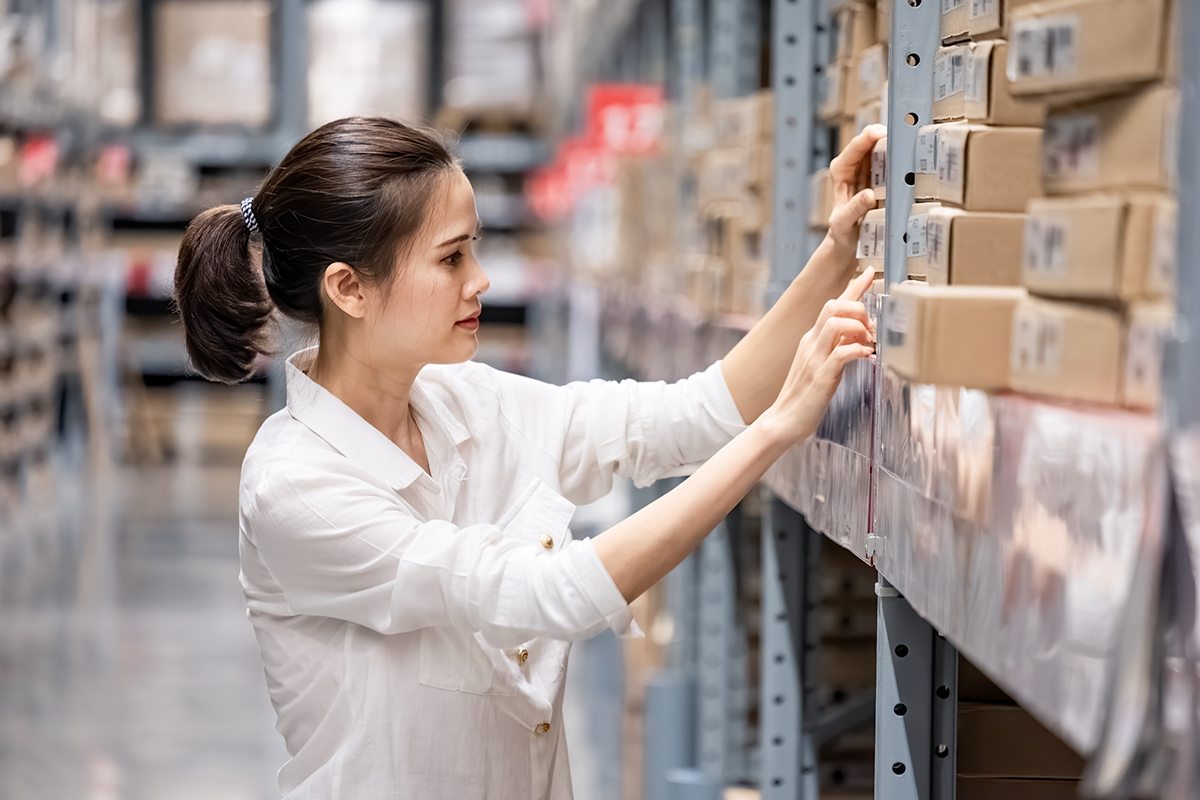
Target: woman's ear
x,y
345,289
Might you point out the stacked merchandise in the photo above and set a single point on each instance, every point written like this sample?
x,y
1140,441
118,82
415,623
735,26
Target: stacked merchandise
x,y
855,81
1057,295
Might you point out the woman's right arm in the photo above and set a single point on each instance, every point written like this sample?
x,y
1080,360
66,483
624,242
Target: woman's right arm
x,y
643,548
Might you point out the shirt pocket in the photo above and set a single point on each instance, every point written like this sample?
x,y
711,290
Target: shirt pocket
x,y
463,661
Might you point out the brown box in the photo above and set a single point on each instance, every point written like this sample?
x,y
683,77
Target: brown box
x,y
870,74
1066,350
1091,46
820,199
970,83
989,18
883,20
867,115
1124,143
955,20
1106,246
977,167
871,237
833,100
951,335
966,248
1002,741
855,26
879,170
1010,788
1146,330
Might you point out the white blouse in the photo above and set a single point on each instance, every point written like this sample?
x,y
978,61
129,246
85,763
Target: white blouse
x,y
415,629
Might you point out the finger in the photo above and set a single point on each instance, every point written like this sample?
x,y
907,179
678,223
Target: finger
x,y
838,329
849,309
845,166
853,210
844,354
858,286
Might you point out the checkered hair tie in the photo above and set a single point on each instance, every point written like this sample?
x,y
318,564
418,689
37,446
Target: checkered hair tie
x,y
248,214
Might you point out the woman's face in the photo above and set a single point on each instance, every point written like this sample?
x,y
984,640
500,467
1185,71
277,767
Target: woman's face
x,y
430,313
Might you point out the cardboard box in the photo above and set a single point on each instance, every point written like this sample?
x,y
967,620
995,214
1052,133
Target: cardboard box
x,y
1123,143
871,237
870,114
1010,788
955,20
883,20
854,26
977,89
871,74
951,335
949,246
978,167
743,121
1066,350
1105,246
1146,330
820,199
1089,46
879,170
987,19
1003,741
836,77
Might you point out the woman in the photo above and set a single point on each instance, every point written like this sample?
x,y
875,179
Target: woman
x,y
405,553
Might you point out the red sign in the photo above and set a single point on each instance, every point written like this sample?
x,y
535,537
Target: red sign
x,y
626,118
39,159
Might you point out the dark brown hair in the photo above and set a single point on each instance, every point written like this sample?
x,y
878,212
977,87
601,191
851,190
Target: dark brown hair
x,y
354,190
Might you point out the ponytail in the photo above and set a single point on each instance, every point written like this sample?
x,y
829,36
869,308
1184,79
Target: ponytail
x,y
221,296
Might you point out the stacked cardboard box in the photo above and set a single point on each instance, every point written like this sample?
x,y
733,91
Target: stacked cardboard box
x,y
1104,233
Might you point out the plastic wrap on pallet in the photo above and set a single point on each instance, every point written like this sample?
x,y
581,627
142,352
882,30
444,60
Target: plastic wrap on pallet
x,y
1014,526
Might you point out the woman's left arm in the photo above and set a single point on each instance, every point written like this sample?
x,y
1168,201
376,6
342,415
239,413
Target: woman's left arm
x,y
756,368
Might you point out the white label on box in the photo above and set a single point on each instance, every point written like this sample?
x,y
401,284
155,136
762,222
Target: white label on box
x,y
975,79
879,167
1046,247
896,320
1071,146
1164,258
1046,46
951,5
927,152
1037,342
948,73
950,157
1143,358
937,241
872,72
982,8
916,235
868,236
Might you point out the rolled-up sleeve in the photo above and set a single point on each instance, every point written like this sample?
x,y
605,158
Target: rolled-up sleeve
x,y
339,546
643,430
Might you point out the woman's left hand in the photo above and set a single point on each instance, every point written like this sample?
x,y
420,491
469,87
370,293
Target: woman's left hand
x,y
852,193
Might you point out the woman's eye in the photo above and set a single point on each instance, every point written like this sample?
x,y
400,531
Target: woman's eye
x,y
454,258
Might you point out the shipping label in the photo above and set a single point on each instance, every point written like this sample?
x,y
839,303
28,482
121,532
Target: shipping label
x,y
949,73
870,239
1164,258
1071,146
1037,343
951,5
982,8
975,77
927,152
897,319
937,241
1044,47
1046,247
950,156
872,72
917,225
879,167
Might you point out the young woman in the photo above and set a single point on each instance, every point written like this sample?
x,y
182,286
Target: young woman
x,y
405,550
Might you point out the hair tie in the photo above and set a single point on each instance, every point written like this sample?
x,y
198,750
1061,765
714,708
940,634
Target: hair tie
x,y
248,214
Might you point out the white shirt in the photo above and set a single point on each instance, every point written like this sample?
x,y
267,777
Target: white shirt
x,y
415,629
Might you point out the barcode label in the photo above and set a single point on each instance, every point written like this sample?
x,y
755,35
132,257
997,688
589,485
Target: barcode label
x,y
1045,248
878,167
950,162
1037,342
948,70
1044,47
916,235
896,320
870,239
937,241
975,77
982,8
927,152
951,5
1071,146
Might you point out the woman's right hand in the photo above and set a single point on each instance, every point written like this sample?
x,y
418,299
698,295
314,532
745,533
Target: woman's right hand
x,y
841,334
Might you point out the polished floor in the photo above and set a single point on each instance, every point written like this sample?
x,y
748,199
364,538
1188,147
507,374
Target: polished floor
x,y
128,670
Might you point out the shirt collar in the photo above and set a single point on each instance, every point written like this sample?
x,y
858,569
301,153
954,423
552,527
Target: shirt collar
x,y
328,417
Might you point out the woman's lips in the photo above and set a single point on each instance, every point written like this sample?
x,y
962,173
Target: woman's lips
x,y
470,323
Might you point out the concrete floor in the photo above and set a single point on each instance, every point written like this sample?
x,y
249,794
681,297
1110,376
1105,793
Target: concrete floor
x,y
128,670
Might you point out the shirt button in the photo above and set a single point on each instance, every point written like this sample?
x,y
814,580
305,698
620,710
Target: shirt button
x,y
547,541
542,729
522,656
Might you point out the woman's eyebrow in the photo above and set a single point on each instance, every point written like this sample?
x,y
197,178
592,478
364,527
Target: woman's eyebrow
x,y
463,237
